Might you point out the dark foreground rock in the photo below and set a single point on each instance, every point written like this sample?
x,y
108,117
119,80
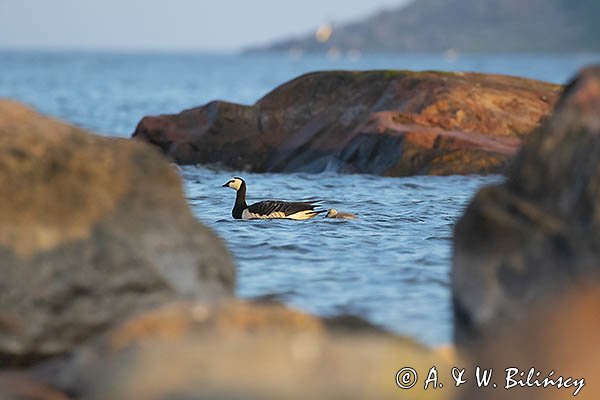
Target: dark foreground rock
x,y
240,351
21,386
558,334
91,230
391,123
539,232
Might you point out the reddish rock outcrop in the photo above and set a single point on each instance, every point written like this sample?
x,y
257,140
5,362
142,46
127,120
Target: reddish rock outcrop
x,y
379,122
539,232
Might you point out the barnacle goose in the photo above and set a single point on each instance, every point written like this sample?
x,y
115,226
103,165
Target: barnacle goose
x,y
333,213
269,209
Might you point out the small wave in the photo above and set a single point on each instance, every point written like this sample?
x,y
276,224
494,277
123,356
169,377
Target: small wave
x,y
272,297
442,238
412,186
290,247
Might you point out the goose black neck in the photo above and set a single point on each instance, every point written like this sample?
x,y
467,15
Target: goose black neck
x,y
240,202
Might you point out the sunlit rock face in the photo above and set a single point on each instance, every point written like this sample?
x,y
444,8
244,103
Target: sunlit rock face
x,y
91,230
539,232
393,123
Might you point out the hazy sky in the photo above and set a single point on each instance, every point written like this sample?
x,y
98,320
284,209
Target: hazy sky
x,y
167,24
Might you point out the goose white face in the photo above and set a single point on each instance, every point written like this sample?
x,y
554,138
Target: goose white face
x,y
234,183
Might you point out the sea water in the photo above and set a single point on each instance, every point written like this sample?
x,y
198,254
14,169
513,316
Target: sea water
x,y
390,266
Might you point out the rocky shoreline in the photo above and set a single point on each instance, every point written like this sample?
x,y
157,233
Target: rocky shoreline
x,y
391,123
111,289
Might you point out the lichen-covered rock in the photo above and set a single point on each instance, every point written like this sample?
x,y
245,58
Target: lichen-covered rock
x,y
242,351
540,230
392,123
91,230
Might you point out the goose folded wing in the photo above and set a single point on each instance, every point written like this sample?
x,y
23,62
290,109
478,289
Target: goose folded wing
x,y
273,206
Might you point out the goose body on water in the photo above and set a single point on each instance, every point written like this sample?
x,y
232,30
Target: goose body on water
x,y
333,213
269,209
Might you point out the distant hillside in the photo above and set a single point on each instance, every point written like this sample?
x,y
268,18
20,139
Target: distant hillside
x,y
465,26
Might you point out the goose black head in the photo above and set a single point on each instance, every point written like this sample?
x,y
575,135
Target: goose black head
x,y
235,183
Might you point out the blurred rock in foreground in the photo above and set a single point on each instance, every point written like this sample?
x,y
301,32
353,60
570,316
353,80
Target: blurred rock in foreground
x,y
559,334
392,123
91,230
21,386
241,351
539,232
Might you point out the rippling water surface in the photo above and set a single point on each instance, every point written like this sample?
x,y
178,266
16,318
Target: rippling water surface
x,y
390,266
